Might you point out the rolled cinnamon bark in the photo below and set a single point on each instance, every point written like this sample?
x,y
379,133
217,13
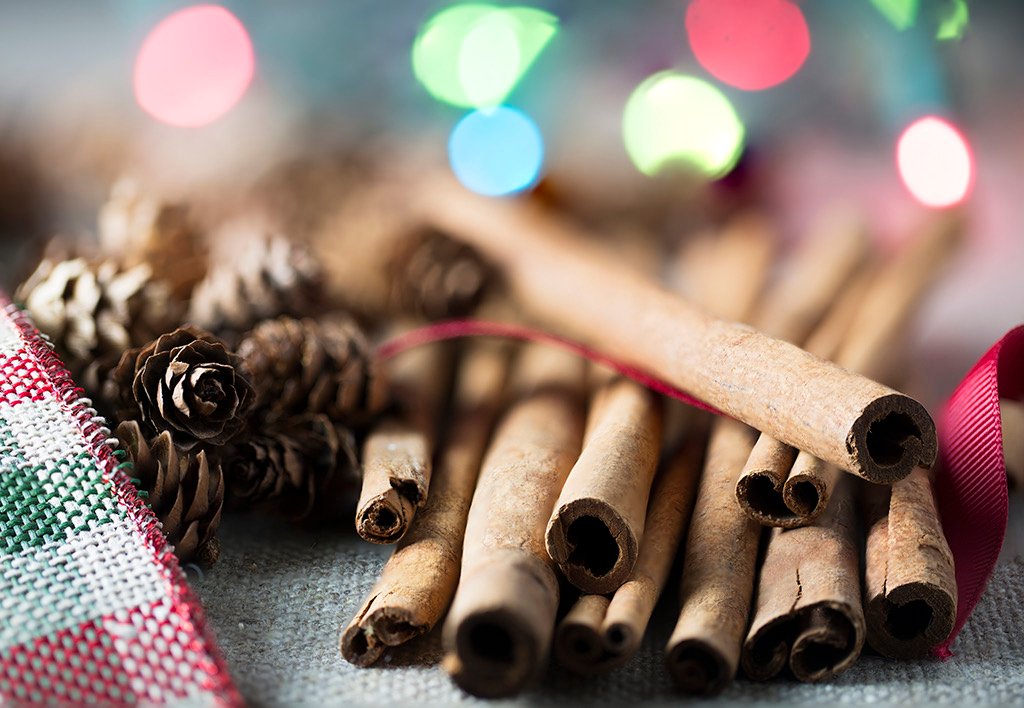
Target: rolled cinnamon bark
x,y
498,632
773,386
595,530
808,613
397,452
1012,417
579,644
910,585
419,579
718,571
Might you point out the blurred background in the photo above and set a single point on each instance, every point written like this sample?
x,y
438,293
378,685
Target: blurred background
x,y
667,115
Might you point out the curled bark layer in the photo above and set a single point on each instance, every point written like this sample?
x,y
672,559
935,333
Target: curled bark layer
x,y
498,632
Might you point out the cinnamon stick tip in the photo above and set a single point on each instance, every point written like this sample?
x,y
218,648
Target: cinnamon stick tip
x,y
592,544
697,668
493,655
893,435
577,647
358,647
383,521
910,621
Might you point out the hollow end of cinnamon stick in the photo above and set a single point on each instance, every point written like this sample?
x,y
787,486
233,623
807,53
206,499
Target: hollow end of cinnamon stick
x,y
767,651
358,647
893,435
592,544
826,646
496,654
386,518
579,644
808,488
759,494
621,638
394,626
697,668
817,642
909,621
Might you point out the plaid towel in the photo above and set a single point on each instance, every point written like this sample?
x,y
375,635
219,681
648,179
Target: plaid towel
x,y
93,605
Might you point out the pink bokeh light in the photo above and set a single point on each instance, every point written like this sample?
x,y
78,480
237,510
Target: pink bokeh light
x,y
749,44
194,66
935,162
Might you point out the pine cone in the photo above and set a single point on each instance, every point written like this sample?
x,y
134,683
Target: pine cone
x,y
289,467
93,310
136,228
437,277
310,366
186,383
186,491
260,275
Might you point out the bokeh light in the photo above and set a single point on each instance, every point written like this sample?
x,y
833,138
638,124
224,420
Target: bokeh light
x,y
496,151
935,162
901,14
954,22
474,55
749,44
674,120
194,66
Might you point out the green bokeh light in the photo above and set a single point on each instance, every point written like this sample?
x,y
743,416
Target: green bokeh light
x,y
673,120
474,55
902,14
954,22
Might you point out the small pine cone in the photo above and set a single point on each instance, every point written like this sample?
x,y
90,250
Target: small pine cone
x,y
186,491
290,467
437,277
185,383
260,275
96,309
312,366
136,228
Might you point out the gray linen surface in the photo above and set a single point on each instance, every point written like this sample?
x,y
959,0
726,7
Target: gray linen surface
x,y
279,595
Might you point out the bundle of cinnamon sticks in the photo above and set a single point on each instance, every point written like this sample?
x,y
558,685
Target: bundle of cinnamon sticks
x,y
801,520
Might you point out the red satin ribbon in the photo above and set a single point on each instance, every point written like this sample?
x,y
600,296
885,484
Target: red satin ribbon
x,y
970,481
971,478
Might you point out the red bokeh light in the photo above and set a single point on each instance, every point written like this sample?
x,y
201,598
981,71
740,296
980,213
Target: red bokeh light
x,y
194,66
935,162
749,44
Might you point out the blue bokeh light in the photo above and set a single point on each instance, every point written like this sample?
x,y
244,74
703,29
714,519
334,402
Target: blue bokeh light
x,y
496,151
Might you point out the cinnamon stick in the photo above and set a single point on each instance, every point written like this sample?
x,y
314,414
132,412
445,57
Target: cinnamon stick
x,y
773,386
598,635
909,581
419,579
397,452
595,530
718,571
498,632
579,645
1012,417
808,612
